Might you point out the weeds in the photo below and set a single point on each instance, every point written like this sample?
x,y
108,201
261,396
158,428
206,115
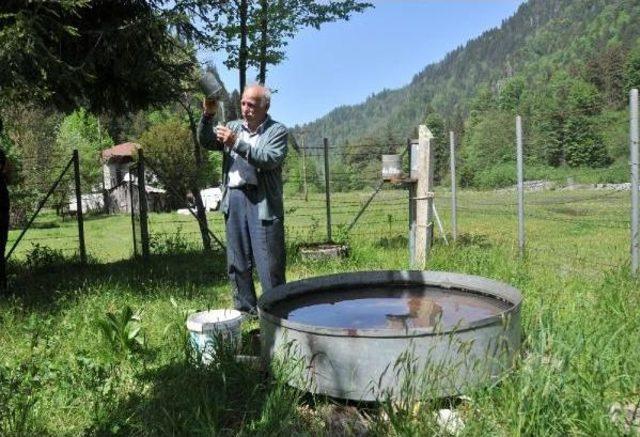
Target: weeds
x,y
18,397
42,256
170,244
122,331
63,374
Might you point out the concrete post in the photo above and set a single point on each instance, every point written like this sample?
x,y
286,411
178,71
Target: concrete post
x,y
424,198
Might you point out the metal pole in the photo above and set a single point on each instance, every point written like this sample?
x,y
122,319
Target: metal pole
x,y
76,171
42,202
142,204
326,187
440,228
635,179
365,206
304,168
520,170
454,204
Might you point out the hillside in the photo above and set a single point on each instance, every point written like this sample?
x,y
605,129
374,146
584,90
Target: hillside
x,y
591,40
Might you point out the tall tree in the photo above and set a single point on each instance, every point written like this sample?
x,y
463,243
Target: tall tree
x,y
436,125
584,144
168,146
114,57
100,54
256,33
36,159
632,69
81,130
605,70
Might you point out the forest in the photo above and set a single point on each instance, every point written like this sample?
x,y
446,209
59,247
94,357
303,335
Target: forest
x,y
565,66
87,75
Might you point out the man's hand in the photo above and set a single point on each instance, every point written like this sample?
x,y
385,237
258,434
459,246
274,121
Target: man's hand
x,y
226,136
209,106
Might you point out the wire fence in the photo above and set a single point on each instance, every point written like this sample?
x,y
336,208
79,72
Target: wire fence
x,y
570,228
491,215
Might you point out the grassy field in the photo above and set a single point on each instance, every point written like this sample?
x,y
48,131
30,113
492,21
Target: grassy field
x,y
64,371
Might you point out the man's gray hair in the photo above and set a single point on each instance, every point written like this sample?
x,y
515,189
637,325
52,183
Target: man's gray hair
x,y
266,98
266,94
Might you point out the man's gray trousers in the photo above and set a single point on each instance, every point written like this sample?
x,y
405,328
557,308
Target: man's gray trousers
x,y
252,242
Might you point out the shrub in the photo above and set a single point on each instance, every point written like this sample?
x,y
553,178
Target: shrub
x,y
500,175
170,244
44,256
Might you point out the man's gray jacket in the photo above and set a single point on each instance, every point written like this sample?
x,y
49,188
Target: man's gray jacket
x,y
266,156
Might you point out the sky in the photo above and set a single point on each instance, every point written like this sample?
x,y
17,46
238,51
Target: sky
x,y
343,63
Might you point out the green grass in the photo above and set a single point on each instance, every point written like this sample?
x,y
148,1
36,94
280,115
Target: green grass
x,y
60,376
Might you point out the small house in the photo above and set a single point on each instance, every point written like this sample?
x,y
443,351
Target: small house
x,y
115,163
120,183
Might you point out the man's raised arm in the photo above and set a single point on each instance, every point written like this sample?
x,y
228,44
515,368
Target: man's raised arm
x,y
206,134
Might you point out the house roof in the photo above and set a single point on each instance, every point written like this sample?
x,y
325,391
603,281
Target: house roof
x,y
120,151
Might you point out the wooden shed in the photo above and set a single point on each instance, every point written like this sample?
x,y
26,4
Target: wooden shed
x,y
125,195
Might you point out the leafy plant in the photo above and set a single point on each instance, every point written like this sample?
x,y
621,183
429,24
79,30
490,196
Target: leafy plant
x,y
168,147
122,331
43,256
313,228
81,130
18,388
341,233
171,244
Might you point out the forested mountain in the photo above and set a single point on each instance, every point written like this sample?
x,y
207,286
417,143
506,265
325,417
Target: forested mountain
x,y
564,65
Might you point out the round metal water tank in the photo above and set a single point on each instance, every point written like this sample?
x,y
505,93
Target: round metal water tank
x,y
368,335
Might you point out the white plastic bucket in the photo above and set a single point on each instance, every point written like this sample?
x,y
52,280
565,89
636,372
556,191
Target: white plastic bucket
x,y
208,327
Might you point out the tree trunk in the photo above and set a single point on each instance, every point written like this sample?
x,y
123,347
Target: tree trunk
x,y
264,28
243,53
202,218
195,190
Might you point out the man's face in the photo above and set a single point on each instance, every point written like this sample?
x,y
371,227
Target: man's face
x,y
252,110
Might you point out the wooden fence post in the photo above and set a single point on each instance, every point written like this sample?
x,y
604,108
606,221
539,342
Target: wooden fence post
x,y
79,216
142,204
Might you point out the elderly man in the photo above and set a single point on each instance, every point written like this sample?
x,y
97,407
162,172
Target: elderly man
x,y
254,149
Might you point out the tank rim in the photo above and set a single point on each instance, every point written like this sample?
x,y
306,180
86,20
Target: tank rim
x,y
446,280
